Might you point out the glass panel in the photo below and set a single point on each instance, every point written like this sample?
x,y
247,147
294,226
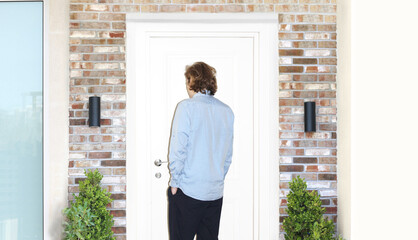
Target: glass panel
x,y
21,153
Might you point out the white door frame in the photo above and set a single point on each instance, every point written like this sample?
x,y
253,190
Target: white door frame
x,y
264,28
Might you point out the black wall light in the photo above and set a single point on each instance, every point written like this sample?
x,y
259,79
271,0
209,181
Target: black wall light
x,y
94,111
310,117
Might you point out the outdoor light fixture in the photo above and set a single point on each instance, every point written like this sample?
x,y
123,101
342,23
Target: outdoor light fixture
x,y
310,117
94,111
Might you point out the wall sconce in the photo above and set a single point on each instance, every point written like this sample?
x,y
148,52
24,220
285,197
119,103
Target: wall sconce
x,y
310,117
94,111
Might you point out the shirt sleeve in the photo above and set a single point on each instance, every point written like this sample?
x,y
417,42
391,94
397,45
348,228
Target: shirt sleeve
x,y
178,143
228,160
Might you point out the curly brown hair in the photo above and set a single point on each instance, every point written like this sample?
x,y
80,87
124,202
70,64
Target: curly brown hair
x,y
204,77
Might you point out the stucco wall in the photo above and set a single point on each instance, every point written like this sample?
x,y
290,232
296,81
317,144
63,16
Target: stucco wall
x,y
381,202
56,116
378,117
344,117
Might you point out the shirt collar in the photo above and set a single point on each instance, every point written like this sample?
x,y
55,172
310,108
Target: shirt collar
x,y
206,93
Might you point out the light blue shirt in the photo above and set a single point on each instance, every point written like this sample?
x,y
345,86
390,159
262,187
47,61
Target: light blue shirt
x,y
201,141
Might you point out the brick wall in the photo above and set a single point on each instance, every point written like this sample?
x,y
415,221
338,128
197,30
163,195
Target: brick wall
x,y
307,49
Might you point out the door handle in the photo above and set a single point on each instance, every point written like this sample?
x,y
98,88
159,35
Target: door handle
x,y
158,162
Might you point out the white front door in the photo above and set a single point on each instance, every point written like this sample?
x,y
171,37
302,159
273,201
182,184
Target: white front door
x,y
232,58
156,66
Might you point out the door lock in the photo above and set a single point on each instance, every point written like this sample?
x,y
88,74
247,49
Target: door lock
x,y
158,162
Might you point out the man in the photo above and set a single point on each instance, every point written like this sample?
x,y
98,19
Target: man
x,y
200,155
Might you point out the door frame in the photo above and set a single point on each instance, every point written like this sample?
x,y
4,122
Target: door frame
x,y
263,27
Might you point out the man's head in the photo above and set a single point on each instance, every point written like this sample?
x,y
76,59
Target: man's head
x,y
200,77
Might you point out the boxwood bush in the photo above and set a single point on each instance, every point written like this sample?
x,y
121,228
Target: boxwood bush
x,y
88,218
305,220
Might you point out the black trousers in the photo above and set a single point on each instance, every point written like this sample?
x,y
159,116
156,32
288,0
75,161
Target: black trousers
x,y
188,216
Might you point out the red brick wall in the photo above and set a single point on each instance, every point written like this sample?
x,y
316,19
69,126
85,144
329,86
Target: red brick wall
x,y
307,49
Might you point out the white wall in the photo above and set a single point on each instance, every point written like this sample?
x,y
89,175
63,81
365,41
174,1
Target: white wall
x,y
376,124
56,107
376,129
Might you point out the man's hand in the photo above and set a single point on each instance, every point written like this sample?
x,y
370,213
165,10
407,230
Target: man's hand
x,y
173,190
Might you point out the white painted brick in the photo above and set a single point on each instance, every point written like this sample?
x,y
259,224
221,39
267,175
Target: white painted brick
x,y
86,147
119,204
285,159
112,81
75,57
285,60
76,73
120,221
113,179
290,135
119,188
76,172
285,77
323,69
83,34
317,53
320,35
106,66
316,185
114,113
328,193
114,147
98,49
285,94
321,135
285,176
285,44
98,7
317,151
316,86
119,155
323,110
298,110
117,130
77,155
327,168
117,97
119,122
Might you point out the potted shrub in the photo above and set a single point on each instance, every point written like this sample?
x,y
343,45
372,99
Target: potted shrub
x,y
88,218
305,220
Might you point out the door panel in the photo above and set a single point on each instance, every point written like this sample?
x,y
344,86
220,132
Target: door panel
x,y
233,59
21,133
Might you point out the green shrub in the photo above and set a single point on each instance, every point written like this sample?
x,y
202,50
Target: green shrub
x,y
305,220
322,230
80,219
88,218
